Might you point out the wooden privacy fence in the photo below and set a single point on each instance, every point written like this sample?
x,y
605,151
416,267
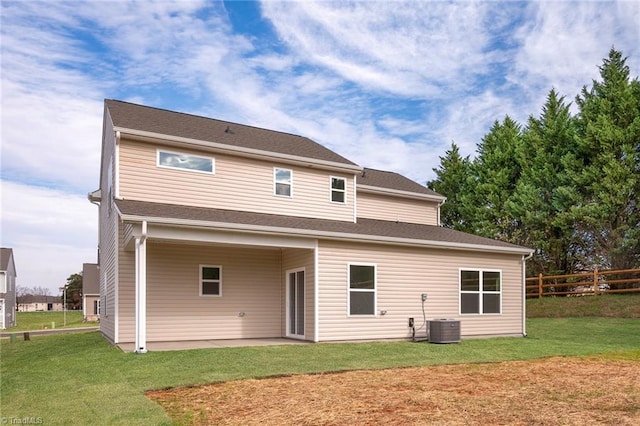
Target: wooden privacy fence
x,y
596,282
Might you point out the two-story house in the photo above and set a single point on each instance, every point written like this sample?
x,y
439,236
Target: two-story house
x,y
90,292
217,230
7,289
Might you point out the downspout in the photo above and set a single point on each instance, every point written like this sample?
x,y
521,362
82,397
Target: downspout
x,y
440,205
524,293
141,291
316,292
116,172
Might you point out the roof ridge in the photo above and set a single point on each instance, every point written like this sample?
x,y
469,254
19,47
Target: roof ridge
x,y
208,118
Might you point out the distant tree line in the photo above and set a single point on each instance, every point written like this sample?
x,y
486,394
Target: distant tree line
x,y
566,185
26,294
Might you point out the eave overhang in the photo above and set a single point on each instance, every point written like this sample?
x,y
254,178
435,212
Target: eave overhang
x,y
274,231
399,193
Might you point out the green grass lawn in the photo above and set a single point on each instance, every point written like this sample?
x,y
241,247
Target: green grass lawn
x,y
604,305
28,321
82,379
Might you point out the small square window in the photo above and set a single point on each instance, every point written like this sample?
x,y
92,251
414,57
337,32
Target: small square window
x,y
210,280
282,182
480,292
338,190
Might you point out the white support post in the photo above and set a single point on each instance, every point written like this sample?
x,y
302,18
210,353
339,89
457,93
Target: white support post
x,y
141,291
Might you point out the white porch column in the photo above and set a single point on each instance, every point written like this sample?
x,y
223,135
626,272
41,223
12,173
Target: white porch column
x,y
141,291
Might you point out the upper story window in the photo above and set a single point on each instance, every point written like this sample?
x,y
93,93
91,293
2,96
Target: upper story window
x,y
190,162
480,292
338,190
282,182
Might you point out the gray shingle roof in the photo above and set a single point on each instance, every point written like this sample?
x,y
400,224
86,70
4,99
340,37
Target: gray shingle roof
x,y
138,117
6,254
90,278
131,116
391,180
364,227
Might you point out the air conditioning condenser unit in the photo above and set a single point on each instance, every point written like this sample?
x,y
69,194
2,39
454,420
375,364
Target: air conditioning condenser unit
x,y
444,331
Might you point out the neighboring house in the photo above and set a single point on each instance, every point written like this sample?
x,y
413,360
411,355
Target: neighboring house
x,y
90,292
217,230
35,303
7,289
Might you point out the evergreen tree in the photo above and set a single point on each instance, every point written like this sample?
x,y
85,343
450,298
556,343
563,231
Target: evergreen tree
x,y
545,191
609,130
493,177
451,179
74,291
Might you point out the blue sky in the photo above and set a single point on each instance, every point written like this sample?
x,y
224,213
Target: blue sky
x,y
388,85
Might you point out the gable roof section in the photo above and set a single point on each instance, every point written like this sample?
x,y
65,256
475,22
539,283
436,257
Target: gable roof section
x,y
90,279
372,180
6,259
132,117
365,229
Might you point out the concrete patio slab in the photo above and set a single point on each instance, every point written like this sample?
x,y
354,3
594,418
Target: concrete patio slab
x,y
204,344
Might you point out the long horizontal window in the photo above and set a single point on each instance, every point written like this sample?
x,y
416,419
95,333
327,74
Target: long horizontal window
x,y
480,292
190,162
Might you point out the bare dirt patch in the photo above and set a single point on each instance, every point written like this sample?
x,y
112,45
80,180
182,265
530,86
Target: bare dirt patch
x,y
567,391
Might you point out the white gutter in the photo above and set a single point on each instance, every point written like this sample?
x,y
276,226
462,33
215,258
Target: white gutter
x,y
333,235
524,293
243,151
398,192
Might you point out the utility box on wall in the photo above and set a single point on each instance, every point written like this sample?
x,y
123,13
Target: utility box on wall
x,y
444,331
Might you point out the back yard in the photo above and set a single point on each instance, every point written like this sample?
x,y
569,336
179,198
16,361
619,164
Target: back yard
x,y
568,371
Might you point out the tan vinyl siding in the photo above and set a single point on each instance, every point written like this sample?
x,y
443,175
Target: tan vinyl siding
x,y
237,184
403,274
251,284
89,304
126,291
296,259
385,207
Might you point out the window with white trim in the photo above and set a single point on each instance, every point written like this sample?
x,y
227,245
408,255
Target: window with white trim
x,y
210,280
362,289
3,282
480,291
282,182
189,162
338,190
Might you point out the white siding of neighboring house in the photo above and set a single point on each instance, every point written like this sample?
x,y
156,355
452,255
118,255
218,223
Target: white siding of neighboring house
x,y
396,208
403,274
251,284
109,235
237,184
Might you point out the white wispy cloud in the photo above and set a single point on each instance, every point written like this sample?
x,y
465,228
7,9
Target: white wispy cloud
x,y
52,233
